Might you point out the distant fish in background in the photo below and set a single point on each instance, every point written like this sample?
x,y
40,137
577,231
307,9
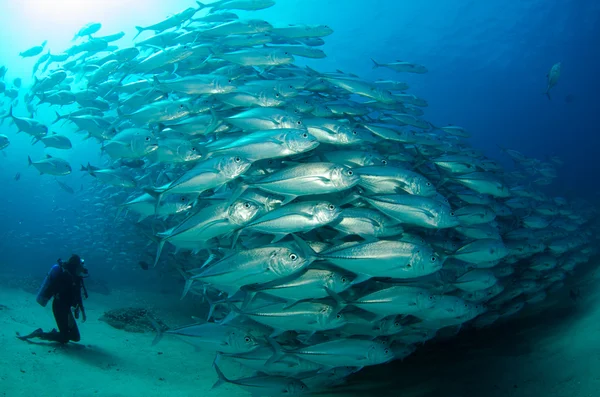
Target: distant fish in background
x,y
17,176
4,142
65,187
88,30
570,98
135,163
144,265
33,51
17,82
553,76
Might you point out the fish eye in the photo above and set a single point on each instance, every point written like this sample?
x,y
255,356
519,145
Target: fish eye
x,y
344,279
350,172
384,162
409,265
431,297
147,138
339,316
433,258
452,213
428,184
181,106
293,257
277,95
396,324
237,159
354,132
247,339
229,81
386,351
193,149
183,199
291,86
305,135
246,205
331,207
299,122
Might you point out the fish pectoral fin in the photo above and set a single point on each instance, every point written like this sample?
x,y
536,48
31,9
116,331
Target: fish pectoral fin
x,y
278,237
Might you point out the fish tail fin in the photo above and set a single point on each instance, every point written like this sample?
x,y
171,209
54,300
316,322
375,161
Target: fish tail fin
x,y
278,353
222,377
547,93
375,64
161,244
156,326
58,117
186,288
200,5
29,160
340,303
139,31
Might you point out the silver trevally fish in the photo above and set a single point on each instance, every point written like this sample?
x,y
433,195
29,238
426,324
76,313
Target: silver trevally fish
x,y
293,218
51,165
270,144
553,76
110,176
400,66
217,337
312,284
131,143
307,179
415,210
208,174
384,258
396,300
195,232
265,385
341,352
57,141
257,266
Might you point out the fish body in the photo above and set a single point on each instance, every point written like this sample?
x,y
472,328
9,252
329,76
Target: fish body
x,y
553,76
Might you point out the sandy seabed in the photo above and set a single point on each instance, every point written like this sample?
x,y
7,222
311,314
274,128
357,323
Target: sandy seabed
x,y
556,354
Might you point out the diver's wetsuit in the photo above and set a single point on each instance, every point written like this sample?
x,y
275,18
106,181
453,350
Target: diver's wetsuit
x,y
66,290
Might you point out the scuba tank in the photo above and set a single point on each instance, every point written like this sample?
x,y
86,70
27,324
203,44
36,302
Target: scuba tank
x,y
44,294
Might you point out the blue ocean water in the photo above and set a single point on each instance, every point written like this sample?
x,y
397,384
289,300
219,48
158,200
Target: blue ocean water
x,y
487,62
487,65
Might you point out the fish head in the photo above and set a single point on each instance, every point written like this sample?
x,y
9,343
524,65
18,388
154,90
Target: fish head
x,y
325,212
286,90
295,388
143,142
286,260
189,152
425,300
379,353
343,177
178,203
300,141
233,166
242,341
425,261
338,282
292,121
280,57
240,212
260,26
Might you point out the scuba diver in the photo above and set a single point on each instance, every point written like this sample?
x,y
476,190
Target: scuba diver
x,y
64,282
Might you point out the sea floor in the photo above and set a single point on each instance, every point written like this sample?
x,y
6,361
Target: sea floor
x,y
554,353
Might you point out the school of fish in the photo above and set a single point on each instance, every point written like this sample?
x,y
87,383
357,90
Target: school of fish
x,y
329,225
